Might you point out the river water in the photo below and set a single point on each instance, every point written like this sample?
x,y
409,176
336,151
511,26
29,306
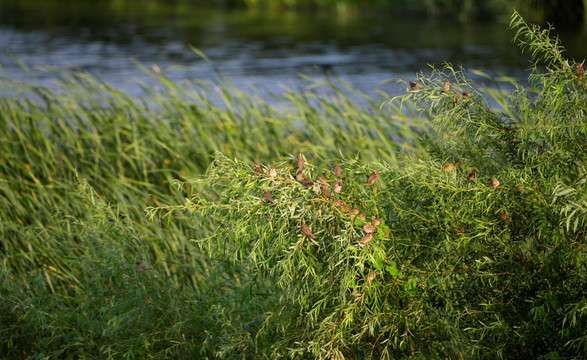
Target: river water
x,y
252,48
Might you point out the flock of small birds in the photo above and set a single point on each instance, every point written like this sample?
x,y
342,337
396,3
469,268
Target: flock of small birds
x,y
446,86
368,227
371,227
493,182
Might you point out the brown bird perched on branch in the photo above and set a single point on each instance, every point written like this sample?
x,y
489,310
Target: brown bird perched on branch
x,y
299,162
337,186
579,72
369,228
504,216
473,175
272,172
306,181
373,177
306,231
267,196
141,268
457,97
371,276
336,169
300,175
446,86
450,166
365,239
414,86
493,182
324,191
344,207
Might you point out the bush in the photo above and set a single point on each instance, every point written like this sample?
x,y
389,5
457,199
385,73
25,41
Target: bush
x,y
480,250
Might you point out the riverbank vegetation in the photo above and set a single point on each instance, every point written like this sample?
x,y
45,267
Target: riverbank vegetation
x,y
448,9
142,227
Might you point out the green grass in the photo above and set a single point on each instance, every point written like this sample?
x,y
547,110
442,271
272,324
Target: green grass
x,y
94,181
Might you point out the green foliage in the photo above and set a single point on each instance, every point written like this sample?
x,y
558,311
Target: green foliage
x,y
459,266
461,9
481,248
80,164
77,292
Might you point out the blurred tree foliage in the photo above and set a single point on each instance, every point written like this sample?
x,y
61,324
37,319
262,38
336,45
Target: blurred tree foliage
x,y
562,13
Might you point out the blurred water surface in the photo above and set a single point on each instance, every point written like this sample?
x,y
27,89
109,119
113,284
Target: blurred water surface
x,y
253,48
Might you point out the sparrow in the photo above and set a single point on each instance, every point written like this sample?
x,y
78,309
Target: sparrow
x,y
446,86
466,94
373,177
355,211
324,191
342,205
371,276
450,166
361,216
504,216
365,239
579,70
257,168
300,175
369,228
510,131
267,196
375,221
321,179
336,170
493,182
457,97
337,186
473,175
460,230
300,162
306,231
414,86
141,268
518,189
272,172
306,181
